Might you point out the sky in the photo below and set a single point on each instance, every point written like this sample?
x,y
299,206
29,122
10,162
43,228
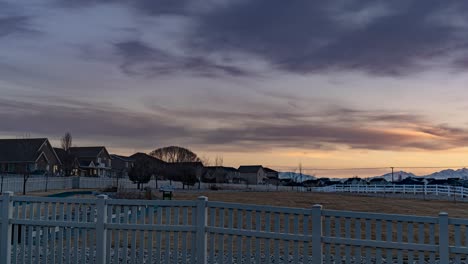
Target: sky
x,y
328,84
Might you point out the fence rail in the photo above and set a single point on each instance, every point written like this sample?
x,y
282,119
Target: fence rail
x,y
105,231
439,190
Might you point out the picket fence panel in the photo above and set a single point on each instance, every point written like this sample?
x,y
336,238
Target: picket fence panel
x,y
108,231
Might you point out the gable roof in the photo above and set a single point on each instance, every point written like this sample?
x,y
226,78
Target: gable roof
x,y
87,152
221,167
250,168
123,158
21,150
268,170
140,155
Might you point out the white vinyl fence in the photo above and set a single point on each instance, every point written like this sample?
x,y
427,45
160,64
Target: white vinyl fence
x,y
440,190
105,231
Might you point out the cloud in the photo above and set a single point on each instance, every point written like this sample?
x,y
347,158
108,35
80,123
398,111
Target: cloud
x,y
14,25
314,36
242,130
139,58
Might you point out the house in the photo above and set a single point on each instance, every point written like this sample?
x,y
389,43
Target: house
x,y
272,176
93,161
252,174
159,167
121,165
70,164
355,181
32,155
378,181
411,181
220,174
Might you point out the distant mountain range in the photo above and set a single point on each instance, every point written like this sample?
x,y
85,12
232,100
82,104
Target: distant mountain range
x,y
442,175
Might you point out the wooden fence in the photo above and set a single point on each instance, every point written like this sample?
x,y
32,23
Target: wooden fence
x,y
106,231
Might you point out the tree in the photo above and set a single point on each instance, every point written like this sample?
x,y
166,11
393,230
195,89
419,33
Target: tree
x,y
68,159
141,172
178,159
175,154
24,167
66,142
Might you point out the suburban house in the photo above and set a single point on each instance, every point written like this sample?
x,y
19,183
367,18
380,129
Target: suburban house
x,y
220,174
70,164
160,167
93,161
410,181
121,165
355,181
272,176
32,155
252,174
378,181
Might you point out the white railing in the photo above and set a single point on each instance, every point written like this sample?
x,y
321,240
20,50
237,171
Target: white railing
x,y
57,230
441,190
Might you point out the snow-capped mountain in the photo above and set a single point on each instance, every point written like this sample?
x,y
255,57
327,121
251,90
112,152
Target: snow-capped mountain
x,y
441,175
397,175
445,174
297,177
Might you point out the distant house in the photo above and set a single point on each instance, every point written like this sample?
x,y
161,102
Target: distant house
x,y
272,176
355,181
70,164
252,174
378,181
121,165
93,161
34,155
160,167
220,174
411,181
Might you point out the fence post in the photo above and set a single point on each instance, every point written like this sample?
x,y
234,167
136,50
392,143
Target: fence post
x,y
5,242
201,236
444,238
101,229
317,234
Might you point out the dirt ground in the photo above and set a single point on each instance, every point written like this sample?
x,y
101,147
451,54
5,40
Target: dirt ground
x,y
332,201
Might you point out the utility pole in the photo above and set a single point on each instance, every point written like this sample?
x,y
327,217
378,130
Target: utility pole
x,y
392,174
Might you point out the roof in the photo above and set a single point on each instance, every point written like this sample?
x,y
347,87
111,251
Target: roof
x,y
221,167
120,157
140,155
268,170
86,152
250,168
20,150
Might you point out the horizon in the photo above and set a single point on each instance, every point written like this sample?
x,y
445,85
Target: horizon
x,y
338,84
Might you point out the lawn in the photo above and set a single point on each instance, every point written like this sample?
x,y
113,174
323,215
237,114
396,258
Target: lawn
x,y
334,201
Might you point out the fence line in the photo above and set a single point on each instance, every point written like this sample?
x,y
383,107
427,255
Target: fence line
x,y
105,231
439,190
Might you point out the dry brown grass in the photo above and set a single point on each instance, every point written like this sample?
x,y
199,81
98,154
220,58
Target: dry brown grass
x,y
333,201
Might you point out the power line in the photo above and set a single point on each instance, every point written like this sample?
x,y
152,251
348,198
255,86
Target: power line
x,y
370,168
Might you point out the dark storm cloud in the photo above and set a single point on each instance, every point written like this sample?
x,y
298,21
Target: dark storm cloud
x,y
86,119
309,36
151,7
139,58
378,37
14,24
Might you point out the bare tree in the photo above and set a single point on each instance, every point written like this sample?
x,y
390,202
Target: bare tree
x,y
140,172
24,167
68,159
66,142
175,154
177,157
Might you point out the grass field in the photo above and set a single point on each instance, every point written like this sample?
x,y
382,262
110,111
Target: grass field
x,y
350,202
